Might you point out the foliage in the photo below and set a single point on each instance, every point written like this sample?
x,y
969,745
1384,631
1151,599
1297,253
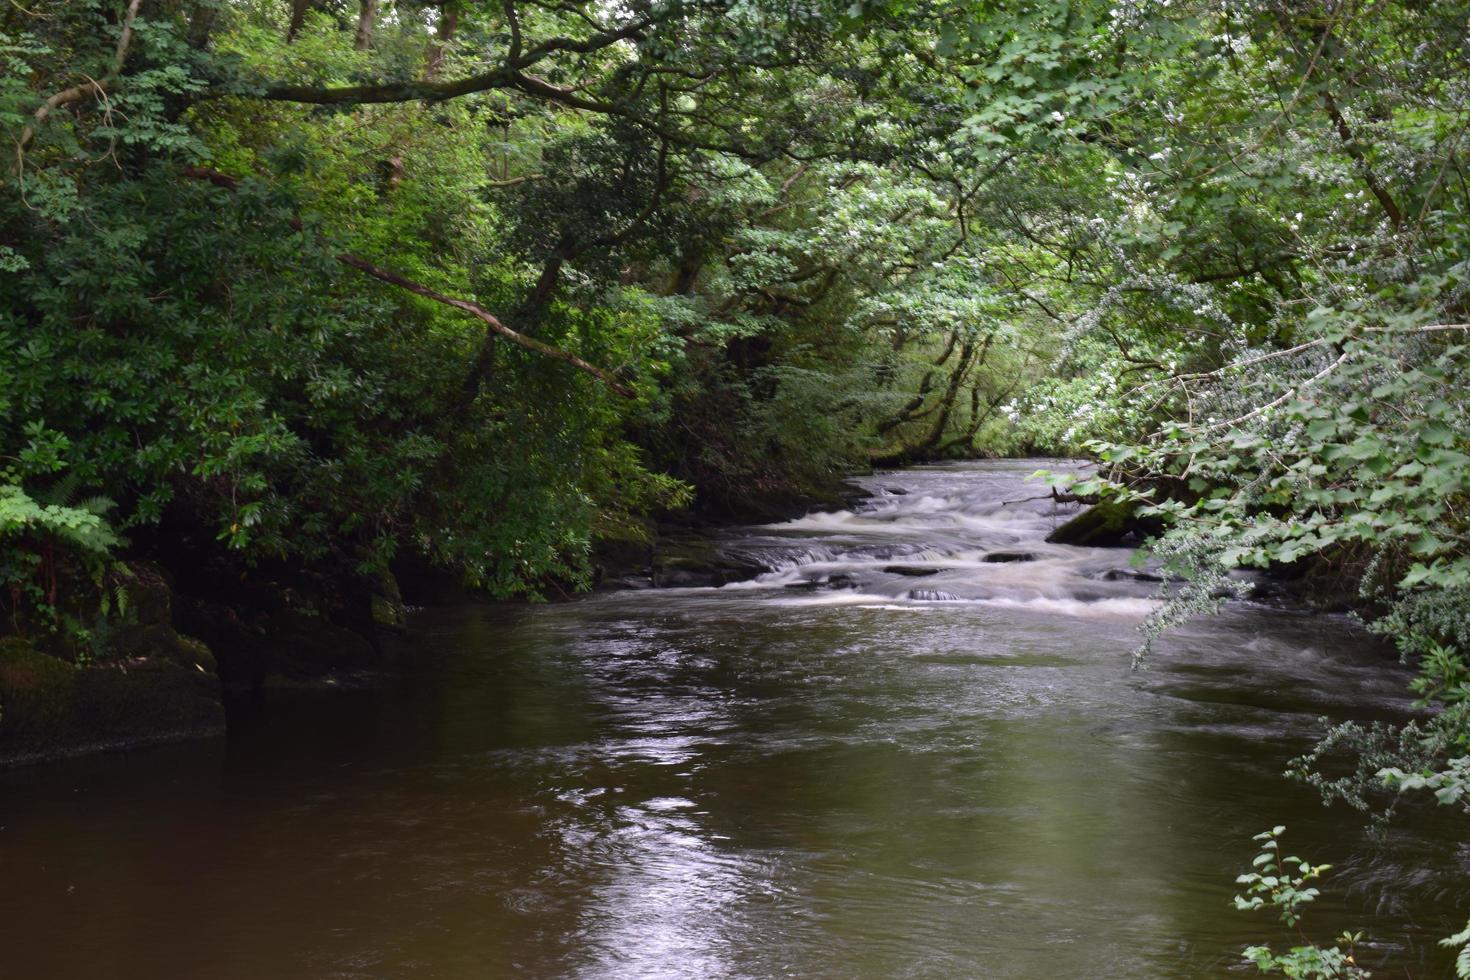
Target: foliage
x,y
1284,885
1460,941
45,545
771,288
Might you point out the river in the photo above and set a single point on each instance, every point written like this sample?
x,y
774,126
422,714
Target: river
x,y
818,773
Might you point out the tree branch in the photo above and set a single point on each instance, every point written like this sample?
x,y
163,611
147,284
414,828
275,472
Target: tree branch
x,y
231,183
77,92
1355,150
1283,399
508,74
490,320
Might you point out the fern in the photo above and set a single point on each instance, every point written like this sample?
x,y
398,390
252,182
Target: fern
x,y
47,550
61,492
1462,961
83,528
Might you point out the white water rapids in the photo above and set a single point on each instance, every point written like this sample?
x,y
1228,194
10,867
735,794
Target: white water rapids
x,y
947,534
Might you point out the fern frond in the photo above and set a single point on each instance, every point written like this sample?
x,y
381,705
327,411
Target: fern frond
x,y
61,492
1462,961
96,504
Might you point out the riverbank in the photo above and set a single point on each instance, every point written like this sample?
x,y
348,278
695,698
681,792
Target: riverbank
x,y
187,634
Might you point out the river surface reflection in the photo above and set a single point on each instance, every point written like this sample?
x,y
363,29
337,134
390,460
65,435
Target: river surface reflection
x,y
887,757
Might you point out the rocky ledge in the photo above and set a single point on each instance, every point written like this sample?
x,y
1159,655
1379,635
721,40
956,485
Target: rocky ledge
x,y
151,684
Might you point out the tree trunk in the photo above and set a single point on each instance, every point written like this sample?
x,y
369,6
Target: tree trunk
x,y
367,13
448,24
298,18
946,407
926,385
201,23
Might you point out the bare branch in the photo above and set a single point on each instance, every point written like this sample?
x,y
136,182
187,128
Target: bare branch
x,y
1283,399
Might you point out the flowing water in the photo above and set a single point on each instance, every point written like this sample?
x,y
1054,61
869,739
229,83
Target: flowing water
x,y
886,757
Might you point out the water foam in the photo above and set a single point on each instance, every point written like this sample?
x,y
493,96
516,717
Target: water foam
x,y
1117,608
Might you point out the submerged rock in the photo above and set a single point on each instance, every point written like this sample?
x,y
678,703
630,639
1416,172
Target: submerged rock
x,y
827,583
913,571
932,595
998,557
624,583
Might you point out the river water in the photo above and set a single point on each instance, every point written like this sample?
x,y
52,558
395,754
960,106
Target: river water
x,y
818,773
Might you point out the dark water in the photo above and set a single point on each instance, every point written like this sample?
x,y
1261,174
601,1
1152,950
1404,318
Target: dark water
x,y
774,779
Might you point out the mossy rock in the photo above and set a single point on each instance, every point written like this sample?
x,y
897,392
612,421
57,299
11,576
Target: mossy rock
x,y
387,613
151,699
159,643
385,607
35,693
51,708
190,652
1108,524
695,562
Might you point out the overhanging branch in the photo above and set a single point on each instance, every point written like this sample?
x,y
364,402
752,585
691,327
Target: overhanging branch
x,y
232,183
490,320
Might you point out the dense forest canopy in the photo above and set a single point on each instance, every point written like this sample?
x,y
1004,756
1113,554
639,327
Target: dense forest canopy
x,y
325,283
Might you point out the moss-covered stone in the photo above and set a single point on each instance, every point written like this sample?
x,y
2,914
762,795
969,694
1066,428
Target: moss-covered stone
x,y
1108,524
50,708
149,699
190,652
385,607
694,562
386,613
35,693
